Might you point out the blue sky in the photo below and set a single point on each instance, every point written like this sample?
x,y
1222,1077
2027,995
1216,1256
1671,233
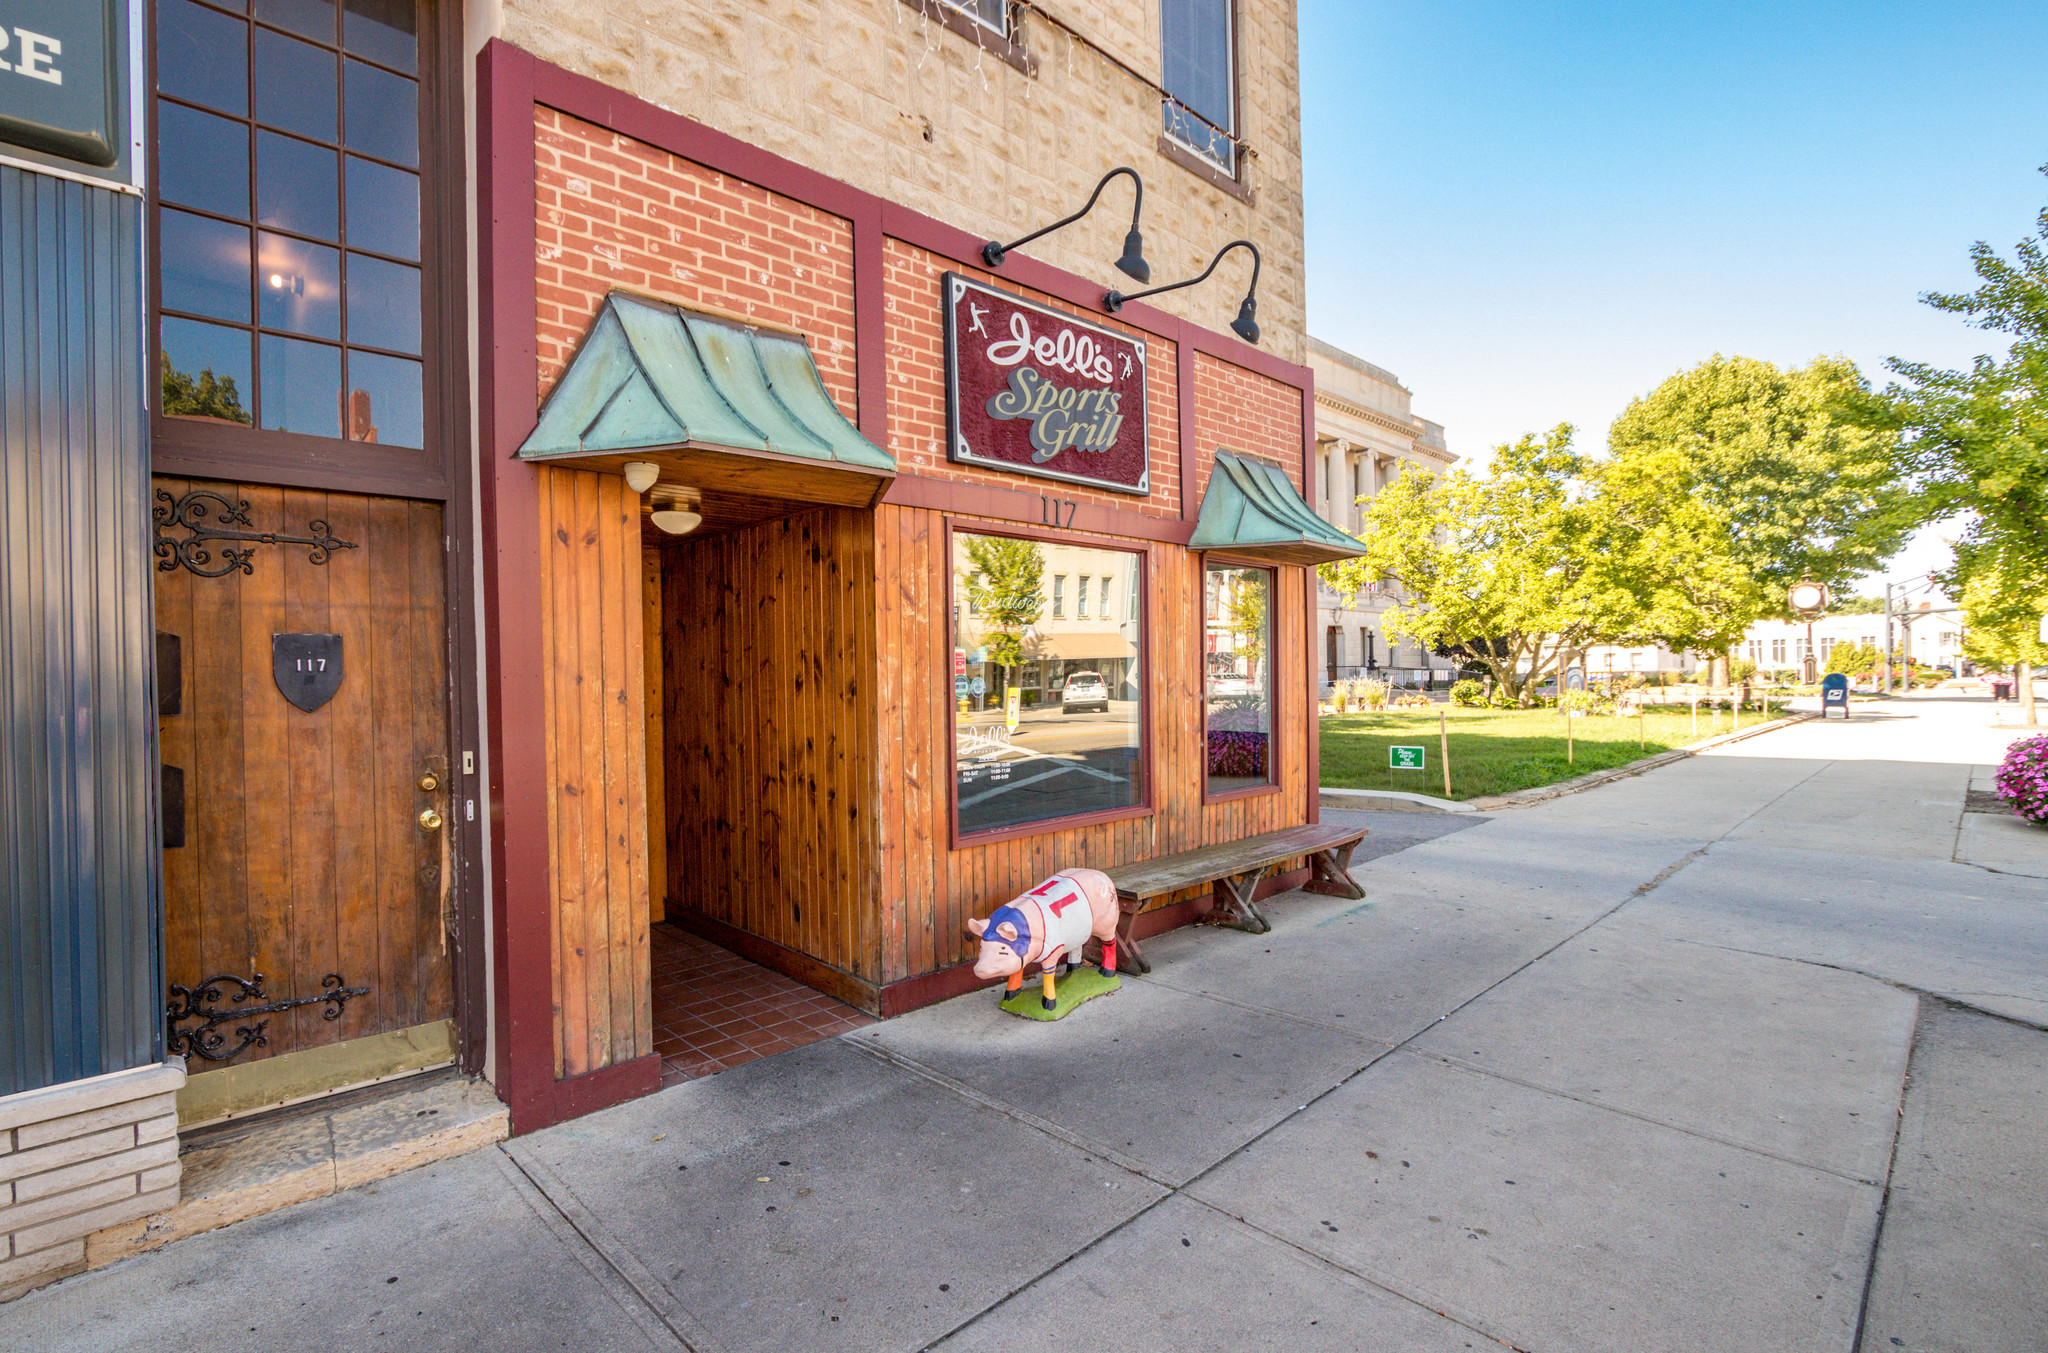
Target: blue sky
x,y
1533,212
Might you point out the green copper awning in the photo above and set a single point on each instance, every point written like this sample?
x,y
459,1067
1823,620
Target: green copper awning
x,y
654,381
1250,509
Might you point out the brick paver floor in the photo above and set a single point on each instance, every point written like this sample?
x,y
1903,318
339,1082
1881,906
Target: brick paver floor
x,y
714,1009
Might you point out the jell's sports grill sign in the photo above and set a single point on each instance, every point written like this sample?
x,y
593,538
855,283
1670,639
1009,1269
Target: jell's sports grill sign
x,y
1038,392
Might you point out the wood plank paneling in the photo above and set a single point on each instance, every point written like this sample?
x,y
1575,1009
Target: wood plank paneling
x,y
769,663
594,703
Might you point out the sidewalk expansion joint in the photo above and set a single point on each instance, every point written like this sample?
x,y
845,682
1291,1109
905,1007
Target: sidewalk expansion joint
x,y
1730,1142
1128,1164
676,1319
1884,1199
1957,999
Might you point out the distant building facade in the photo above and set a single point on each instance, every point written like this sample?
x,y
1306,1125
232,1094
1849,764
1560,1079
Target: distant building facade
x,y
1366,433
1931,638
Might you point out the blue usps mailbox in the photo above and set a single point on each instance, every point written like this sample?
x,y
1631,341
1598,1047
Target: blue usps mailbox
x,y
1834,694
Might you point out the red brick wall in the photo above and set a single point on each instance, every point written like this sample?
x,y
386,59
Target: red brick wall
x,y
613,212
1240,410
917,387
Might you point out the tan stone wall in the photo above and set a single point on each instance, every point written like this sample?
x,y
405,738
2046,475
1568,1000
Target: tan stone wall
x,y
78,1157
872,93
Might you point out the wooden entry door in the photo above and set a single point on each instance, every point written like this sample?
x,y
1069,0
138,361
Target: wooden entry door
x,y
314,844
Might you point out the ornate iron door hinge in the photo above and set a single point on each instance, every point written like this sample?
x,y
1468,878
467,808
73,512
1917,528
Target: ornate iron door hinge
x,y
202,1002
196,513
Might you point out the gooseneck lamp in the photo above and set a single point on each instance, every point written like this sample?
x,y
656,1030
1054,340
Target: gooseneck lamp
x,y
1245,326
1132,264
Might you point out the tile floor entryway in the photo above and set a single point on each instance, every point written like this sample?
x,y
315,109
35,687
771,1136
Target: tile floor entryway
x,y
714,1010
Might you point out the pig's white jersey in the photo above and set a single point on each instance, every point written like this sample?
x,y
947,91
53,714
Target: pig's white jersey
x,y
1058,910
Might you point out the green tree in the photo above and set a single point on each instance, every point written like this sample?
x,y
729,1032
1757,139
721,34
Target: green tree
x,y
2002,611
1852,659
1545,554
1007,589
1856,606
1978,439
1801,464
203,396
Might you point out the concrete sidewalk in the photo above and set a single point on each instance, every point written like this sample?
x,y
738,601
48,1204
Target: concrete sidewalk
x,y
1624,1070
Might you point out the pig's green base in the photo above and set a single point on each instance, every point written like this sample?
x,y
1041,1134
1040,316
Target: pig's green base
x,y
1079,986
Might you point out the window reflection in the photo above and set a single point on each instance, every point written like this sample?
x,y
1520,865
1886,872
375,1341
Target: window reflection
x,y
301,386
314,18
384,31
205,371
205,266
1237,650
295,85
333,269
295,187
383,209
202,56
383,304
298,286
383,114
383,400
1048,712
208,164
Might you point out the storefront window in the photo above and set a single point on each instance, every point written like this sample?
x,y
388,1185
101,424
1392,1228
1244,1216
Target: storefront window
x,y
1237,631
1047,713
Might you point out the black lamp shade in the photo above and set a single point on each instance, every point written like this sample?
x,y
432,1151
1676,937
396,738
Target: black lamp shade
x,y
1133,264
1246,325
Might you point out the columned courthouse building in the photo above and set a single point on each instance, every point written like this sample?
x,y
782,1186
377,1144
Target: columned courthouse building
x,y
481,480
1366,434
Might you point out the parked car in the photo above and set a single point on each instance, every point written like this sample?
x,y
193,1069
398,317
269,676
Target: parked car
x,y
1084,690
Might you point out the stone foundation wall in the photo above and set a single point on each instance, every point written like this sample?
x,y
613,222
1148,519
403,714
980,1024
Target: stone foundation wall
x,y
77,1157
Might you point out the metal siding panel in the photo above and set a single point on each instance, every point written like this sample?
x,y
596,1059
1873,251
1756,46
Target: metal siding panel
x,y
80,972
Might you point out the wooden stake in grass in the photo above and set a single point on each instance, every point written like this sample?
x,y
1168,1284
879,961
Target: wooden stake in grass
x,y
1443,744
1640,743
1569,758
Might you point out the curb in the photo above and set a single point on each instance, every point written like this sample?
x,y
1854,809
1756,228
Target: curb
x,y
1388,801
1522,798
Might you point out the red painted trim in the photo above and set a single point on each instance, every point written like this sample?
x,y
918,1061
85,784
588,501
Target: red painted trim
x,y
1146,805
912,993
1190,442
508,392
871,324
911,489
1312,688
604,1087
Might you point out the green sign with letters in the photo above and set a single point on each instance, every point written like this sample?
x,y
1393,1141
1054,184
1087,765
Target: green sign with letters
x,y
1404,758
60,85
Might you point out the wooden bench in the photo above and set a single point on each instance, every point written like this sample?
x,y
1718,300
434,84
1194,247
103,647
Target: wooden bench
x,y
1234,871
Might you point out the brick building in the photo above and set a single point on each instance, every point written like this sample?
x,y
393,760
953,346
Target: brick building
x,y
591,461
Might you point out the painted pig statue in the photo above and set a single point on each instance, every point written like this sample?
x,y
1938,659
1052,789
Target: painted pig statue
x,y
1048,926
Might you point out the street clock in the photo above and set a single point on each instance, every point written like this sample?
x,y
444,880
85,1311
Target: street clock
x,y
1808,598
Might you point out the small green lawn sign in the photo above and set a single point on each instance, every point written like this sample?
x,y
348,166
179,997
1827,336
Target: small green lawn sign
x,y
1404,758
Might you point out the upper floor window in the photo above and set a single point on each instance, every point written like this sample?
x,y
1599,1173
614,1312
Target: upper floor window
x,y
288,277
1081,599
994,15
1199,65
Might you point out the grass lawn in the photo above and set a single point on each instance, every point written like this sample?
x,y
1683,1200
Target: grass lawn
x,y
1496,751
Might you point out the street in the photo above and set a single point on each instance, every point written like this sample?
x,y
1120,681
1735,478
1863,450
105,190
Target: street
x,y
1744,1054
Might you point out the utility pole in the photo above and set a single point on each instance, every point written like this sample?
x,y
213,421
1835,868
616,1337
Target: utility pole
x,y
1887,638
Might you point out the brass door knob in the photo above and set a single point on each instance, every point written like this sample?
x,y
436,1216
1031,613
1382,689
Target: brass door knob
x,y
430,820
429,783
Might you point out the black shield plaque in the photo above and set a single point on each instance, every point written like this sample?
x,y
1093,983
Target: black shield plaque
x,y
307,667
